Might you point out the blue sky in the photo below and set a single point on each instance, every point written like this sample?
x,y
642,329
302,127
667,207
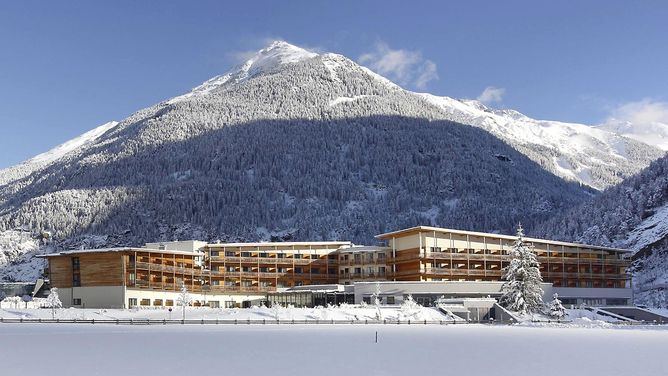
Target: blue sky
x,y
68,66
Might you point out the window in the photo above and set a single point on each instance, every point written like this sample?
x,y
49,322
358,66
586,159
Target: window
x,y
215,268
132,259
157,302
230,304
246,269
381,256
297,256
390,300
132,302
264,269
315,271
76,280
214,304
366,299
229,253
169,303
263,254
214,253
76,301
298,270
246,283
215,282
229,268
230,283
435,249
132,278
75,263
245,254
145,302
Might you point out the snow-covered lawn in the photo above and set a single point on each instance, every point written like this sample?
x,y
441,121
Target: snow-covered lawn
x,y
84,349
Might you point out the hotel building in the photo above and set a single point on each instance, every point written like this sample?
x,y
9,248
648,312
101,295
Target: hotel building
x,y
427,262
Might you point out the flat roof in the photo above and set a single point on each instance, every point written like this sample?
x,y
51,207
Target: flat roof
x,y
389,235
280,244
119,249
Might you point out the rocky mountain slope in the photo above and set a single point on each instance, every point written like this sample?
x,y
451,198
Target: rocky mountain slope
x,y
290,145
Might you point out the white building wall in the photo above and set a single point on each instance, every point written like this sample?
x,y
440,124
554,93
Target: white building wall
x,y
172,295
92,297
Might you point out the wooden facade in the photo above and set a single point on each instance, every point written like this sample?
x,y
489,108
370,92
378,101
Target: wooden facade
x,y
436,254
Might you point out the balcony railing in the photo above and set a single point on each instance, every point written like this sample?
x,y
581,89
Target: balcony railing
x,y
164,268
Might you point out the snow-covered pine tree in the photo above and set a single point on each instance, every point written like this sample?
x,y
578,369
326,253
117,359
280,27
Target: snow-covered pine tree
x,y
555,309
522,291
184,299
54,301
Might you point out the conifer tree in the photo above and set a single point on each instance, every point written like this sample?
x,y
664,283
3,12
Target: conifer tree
x,y
555,309
522,291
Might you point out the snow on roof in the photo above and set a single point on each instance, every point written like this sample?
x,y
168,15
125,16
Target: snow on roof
x,y
118,249
281,244
389,235
364,248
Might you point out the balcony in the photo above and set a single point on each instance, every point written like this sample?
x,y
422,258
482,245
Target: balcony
x,y
163,268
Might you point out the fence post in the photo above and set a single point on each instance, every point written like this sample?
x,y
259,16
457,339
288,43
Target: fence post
x,y
93,321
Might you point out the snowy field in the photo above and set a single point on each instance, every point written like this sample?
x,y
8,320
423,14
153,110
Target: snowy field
x,y
78,349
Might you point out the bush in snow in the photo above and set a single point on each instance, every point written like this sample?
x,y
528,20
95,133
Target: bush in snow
x,y
184,299
53,301
276,310
522,291
555,309
409,308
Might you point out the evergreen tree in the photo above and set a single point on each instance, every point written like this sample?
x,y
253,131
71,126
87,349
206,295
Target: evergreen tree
x,y
522,291
555,309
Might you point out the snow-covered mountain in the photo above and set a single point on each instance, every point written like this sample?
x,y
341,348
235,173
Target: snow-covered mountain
x,y
653,133
296,145
589,155
633,215
25,168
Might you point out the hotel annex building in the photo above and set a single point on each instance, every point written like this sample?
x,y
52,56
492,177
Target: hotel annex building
x,y
427,262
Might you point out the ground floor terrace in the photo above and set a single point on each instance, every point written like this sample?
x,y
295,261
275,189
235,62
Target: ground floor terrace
x,y
330,350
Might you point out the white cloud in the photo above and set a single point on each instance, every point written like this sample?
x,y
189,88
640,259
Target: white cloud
x,y
643,112
403,66
492,94
428,73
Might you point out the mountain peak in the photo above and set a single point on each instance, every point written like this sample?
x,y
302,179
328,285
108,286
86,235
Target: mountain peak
x,y
277,54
